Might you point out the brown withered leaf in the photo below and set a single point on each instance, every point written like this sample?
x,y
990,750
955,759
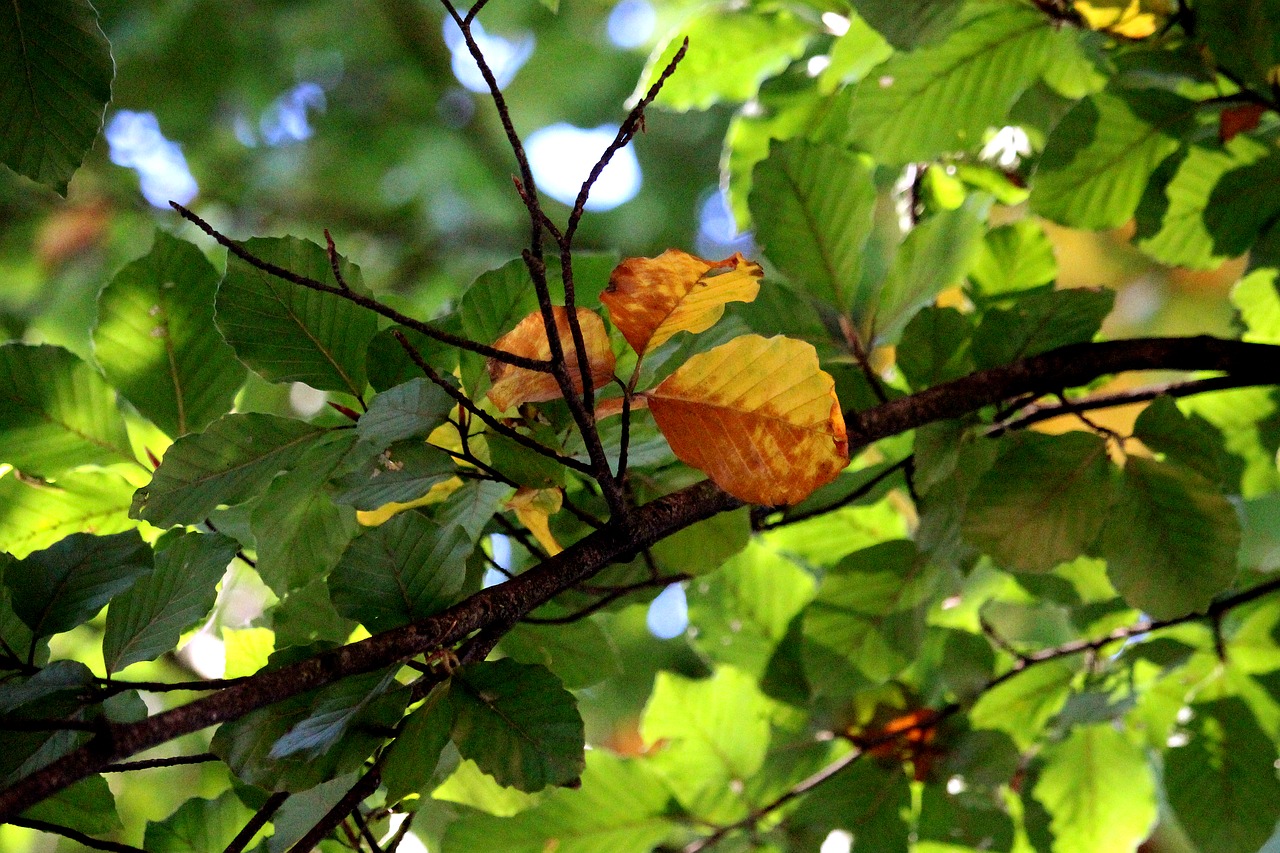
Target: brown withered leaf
x,y
758,416
650,299
515,385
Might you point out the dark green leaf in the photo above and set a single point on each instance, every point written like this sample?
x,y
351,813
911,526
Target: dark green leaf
x,y
1038,322
1097,161
1243,36
934,347
521,465
1099,790
147,620
1011,258
908,24
471,506
36,513
412,758
518,723
56,412
580,653
230,462
307,615
968,663
1043,502
403,472
731,51
943,97
742,611
715,734
1171,539
290,333
620,808
1226,767
198,826
867,621
300,531
55,81
247,744
56,589
966,819
411,410
332,715
1188,440
405,569
388,365
868,800
812,204
156,341
301,812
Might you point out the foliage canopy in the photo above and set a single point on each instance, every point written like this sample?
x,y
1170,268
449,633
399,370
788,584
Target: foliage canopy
x,y
958,576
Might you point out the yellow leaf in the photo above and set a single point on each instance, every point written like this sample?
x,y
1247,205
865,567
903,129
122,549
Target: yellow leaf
x,y
534,508
1126,18
650,299
758,416
515,385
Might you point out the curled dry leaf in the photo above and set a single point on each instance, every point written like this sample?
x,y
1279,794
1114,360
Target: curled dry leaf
x,y
650,299
534,508
758,416
515,385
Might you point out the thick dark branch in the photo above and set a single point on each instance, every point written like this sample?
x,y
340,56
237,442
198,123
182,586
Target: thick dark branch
x,y
359,299
151,763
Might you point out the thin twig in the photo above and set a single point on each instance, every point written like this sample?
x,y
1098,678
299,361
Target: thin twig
x,y
74,835
360,299
854,496
521,536
333,261
605,601
259,820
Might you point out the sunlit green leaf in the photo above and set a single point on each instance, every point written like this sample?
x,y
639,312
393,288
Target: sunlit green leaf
x,y
55,81
87,806
36,513
1189,440
579,653
1022,704
1013,257
156,341
56,412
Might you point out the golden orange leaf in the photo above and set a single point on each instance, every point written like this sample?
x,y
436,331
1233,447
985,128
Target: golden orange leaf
x,y
650,299
758,416
515,385
534,508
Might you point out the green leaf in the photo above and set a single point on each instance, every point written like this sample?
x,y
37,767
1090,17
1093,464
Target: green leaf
x,y
731,51
299,530
943,97
1225,768
411,410
971,820
703,547
1188,440
247,744
412,757
156,341
518,723
1257,299
579,653
812,204
230,462
290,333
1099,789
715,734
55,82
468,785
147,620
1243,36
471,506
908,24
620,808
1097,161
1171,539
1024,703
307,615
56,589
36,513
388,365
87,806
521,465
56,412
198,826
1209,204
334,714
301,812
934,347
935,255
1242,416
403,570
1038,322
1011,258
742,611
1043,502
403,472
866,623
